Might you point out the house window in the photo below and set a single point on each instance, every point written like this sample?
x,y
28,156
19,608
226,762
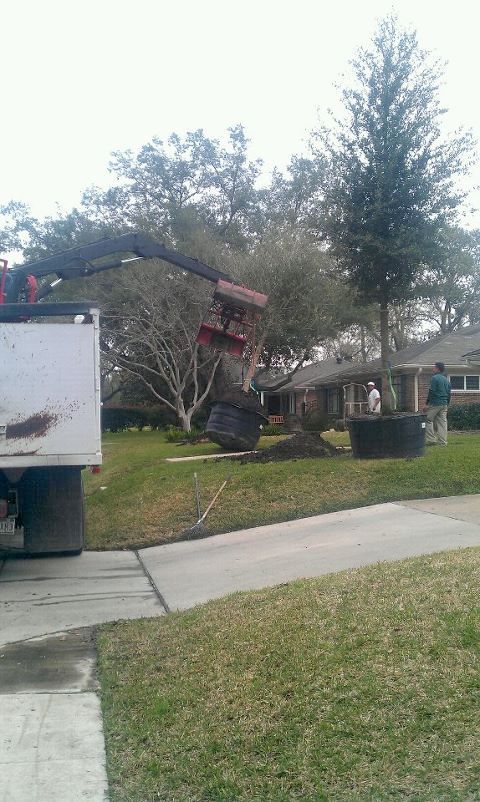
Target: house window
x,y
333,401
463,383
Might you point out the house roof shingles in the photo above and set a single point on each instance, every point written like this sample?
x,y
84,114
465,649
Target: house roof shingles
x,y
307,376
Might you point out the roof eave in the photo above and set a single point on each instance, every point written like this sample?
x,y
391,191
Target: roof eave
x,y
367,371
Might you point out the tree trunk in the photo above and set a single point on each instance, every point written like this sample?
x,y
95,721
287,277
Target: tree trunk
x,y
363,347
388,405
185,419
184,415
253,363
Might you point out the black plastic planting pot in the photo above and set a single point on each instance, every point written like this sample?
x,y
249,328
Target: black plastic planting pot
x,y
234,428
398,435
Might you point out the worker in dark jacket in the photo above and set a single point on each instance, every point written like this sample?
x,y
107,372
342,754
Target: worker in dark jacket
x,y
437,403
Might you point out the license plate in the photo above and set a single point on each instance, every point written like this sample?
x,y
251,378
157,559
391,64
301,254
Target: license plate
x,y
7,526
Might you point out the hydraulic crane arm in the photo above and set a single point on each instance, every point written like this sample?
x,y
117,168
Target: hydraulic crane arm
x,y
80,261
230,322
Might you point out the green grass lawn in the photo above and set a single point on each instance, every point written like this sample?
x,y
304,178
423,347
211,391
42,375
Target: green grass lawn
x,y
149,501
356,687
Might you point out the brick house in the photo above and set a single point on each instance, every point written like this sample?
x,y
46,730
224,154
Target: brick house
x,y
297,395
411,373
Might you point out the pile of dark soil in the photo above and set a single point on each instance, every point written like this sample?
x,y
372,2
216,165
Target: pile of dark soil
x,y
248,401
299,446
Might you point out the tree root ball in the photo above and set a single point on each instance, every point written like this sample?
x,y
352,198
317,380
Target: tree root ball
x,y
236,396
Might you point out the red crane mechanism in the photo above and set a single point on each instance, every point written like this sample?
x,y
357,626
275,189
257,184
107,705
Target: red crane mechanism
x,y
228,326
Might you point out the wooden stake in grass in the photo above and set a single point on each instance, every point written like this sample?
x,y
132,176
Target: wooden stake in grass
x,y
197,495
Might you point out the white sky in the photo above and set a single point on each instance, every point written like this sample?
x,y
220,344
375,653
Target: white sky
x,y
82,79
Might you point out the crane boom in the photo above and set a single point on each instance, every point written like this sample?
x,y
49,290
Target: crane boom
x,y
230,322
80,261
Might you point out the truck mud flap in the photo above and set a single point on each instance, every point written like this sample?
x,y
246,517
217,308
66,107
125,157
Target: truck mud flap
x,y
52,510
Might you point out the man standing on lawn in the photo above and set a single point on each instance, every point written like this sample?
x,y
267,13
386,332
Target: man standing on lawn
x,y
374,401
438,400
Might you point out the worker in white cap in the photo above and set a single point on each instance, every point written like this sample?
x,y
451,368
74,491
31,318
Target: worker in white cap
x,y
374,402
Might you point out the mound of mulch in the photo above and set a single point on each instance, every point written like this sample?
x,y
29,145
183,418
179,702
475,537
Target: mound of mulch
x,y
299,446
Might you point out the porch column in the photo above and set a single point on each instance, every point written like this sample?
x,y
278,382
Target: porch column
x,y
415,388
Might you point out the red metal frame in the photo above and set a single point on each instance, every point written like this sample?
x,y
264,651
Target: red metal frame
x,y
219,340
31,286
230,322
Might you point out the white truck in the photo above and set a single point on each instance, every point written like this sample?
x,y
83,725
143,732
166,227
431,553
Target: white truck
x,y
50,389
49,426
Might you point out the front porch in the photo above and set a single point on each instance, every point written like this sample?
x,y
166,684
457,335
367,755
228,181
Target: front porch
x,y
278,405
349,397
297,402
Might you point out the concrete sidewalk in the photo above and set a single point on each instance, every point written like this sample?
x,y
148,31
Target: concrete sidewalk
x,y
51,741
192,572
47,595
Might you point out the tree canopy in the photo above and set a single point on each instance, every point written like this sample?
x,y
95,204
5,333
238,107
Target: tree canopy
x,y
391,185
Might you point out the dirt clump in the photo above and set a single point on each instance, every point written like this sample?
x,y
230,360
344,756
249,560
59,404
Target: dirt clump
x,y
299,446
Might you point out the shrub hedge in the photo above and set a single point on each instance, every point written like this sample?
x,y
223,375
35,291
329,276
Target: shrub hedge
x,y
464,417
272,429
315,421
118,419
176,435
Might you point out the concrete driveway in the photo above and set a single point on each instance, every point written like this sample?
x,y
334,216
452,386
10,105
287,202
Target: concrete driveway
x,y
51,740
45,595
